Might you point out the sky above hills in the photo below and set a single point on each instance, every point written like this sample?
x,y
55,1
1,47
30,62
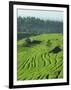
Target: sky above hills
x,y
45,15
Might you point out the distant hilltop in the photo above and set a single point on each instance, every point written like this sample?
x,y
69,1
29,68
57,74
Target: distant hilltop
x,y
33,26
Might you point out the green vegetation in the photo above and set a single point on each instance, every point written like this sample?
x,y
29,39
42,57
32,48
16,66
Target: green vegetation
x,y
40,57
39,49
29,26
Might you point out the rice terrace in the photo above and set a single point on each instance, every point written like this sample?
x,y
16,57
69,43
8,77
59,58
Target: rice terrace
x,y
39,48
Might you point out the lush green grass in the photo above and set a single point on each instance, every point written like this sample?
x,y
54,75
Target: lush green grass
x,y
36,61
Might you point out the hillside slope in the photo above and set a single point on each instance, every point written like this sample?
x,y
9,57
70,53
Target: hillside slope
x,y
42,58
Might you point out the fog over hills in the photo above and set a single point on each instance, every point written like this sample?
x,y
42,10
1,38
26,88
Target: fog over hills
x,y
42,14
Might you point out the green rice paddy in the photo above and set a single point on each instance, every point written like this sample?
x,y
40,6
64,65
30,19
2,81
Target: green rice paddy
x,y
42,58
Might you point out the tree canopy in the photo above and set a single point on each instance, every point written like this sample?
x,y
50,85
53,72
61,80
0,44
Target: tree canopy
x,y
27,26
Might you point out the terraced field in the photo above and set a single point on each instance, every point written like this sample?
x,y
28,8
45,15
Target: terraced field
x,y
42,58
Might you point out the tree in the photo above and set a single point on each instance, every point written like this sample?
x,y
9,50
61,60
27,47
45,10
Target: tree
x,y
49,43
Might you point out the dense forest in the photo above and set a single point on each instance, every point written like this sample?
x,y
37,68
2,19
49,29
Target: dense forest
x,y
28,26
